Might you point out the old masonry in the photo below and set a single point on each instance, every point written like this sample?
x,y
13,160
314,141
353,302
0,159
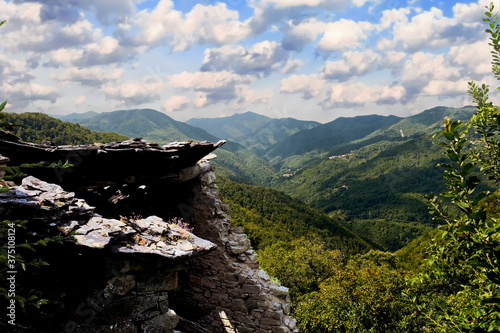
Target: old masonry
x,y
148,244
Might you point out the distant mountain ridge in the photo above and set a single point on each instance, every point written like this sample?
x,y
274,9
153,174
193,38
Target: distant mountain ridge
x,y
235,161
254,131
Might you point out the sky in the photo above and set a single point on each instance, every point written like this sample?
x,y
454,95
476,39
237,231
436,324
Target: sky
x,y
306,59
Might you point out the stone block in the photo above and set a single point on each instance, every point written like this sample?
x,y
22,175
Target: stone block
x,y
231,277
144,303
251,304
279,291
292,323
235,293
238,305
163,303
155,284
164,323
281,329
251,289
257,314
208,282
121,285
263,275
147,315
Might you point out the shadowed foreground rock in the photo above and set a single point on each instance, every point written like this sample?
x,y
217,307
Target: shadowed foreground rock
x,y
151,249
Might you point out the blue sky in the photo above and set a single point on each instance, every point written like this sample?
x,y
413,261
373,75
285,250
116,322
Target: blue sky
x,y
307,59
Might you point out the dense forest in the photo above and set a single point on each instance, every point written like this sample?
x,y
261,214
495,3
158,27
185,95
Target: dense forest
x,y
39,127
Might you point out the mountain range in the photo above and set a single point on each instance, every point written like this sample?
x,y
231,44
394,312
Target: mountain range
x,y
371,171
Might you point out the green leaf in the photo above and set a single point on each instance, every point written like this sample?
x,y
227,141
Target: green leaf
x,y
26,246
41,242
2,106
466,228
466,169
494,300
480,197
453,156
462,205
449,136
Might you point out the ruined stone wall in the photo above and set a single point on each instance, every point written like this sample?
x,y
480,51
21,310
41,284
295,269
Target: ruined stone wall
x,y
126,276
225,291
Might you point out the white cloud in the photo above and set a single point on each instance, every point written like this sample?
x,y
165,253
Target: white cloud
x,y
422,68
358,94
91,76
391,16
445,88
298,35
176,103
343,35
210,24
260,59
105,51
432,29
134,93
308,85
352,63
21,94
63,57
291,66
306,3
474,58
210,87
249,96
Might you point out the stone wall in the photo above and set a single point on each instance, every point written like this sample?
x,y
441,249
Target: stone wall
x,y
110,276
135,274
225,291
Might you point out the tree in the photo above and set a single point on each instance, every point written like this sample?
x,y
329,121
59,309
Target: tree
x,y
466,254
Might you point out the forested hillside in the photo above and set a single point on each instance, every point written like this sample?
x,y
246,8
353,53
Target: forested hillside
x,y
39,127
270,216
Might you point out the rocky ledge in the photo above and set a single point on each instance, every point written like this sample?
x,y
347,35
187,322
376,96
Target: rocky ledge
x,y
60,212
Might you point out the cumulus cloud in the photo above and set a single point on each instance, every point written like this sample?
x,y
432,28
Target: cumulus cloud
x,y
66,11
432,29
422,68
249,96
351,64
134,93
447,88
343,35
391,16
297,35
91,76
176,103
210,87
210,24
353,94
309,86
479,51
331,4
21,94
291,66
260,59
